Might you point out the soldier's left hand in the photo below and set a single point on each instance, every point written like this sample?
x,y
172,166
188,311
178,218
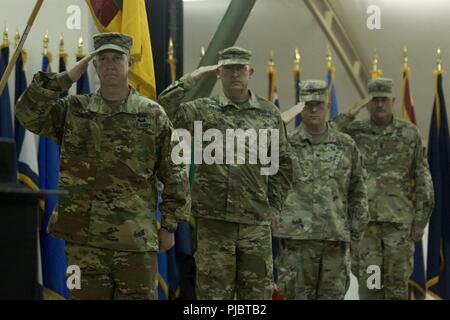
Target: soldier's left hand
x,y
354,245
416,233
166,240
275,224
80,67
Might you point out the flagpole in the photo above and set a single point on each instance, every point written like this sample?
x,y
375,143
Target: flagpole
x,y
13,60
376,72
271,73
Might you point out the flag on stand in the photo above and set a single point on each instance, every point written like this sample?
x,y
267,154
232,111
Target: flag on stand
x,y
417,282
54,261
438,257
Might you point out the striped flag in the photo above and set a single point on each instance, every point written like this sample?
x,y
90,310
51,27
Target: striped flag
x,y
438,257
273,93
6,129
332,98
54,261
296,71
83,82
416,282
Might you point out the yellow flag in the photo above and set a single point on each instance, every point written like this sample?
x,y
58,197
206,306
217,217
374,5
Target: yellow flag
x,y
129,17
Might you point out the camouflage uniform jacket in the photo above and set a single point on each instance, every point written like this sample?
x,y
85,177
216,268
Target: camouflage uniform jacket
x,y
232,192
328,200
399,185
110,156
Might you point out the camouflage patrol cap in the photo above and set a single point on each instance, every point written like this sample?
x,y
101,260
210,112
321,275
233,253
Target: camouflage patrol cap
x,y
381,87
313,90
113,41
234,55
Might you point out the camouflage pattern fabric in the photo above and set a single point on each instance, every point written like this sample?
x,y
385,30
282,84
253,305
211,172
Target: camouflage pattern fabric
x,y
328,200
113,41
313,90
397,168
234,55
314,270
400,193
380,87
110,274
110,156
389,247
232,192
233,260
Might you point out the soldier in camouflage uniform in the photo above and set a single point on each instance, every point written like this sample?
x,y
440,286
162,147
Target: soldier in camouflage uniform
x,y
326,211
114,143
235,204
400,193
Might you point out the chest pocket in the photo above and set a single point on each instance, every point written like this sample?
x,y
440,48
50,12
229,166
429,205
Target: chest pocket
x,y
77,139
133,142
330,159
395,153
302,162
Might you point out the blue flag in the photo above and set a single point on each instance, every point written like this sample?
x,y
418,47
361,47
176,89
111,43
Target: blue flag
x,y
26,141
27,163
83,82
438,264
54,261
6,129
163,281
332,93
417,280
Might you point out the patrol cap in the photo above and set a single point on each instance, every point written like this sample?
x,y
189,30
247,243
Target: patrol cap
x,y
381,87
112,41
313,90
234,55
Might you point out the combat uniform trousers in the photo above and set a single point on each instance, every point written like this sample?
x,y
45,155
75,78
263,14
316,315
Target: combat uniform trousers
x,y
111,274
314,269
233,260
386,251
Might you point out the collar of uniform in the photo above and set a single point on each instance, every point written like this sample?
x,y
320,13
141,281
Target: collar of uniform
x,y
99,105
379,129
306,136
252,101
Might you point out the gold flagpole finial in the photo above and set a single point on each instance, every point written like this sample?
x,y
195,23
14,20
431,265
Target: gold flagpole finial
x,y
405,58
376,71
171,51
61,44
80,47
329,58
16,38
375,61
271,61
5,36
202,52
46,41
297,58
439,60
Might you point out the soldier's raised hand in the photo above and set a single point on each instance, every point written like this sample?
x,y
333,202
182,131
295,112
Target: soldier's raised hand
x,y
80,67
359,105
166,240
200,72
